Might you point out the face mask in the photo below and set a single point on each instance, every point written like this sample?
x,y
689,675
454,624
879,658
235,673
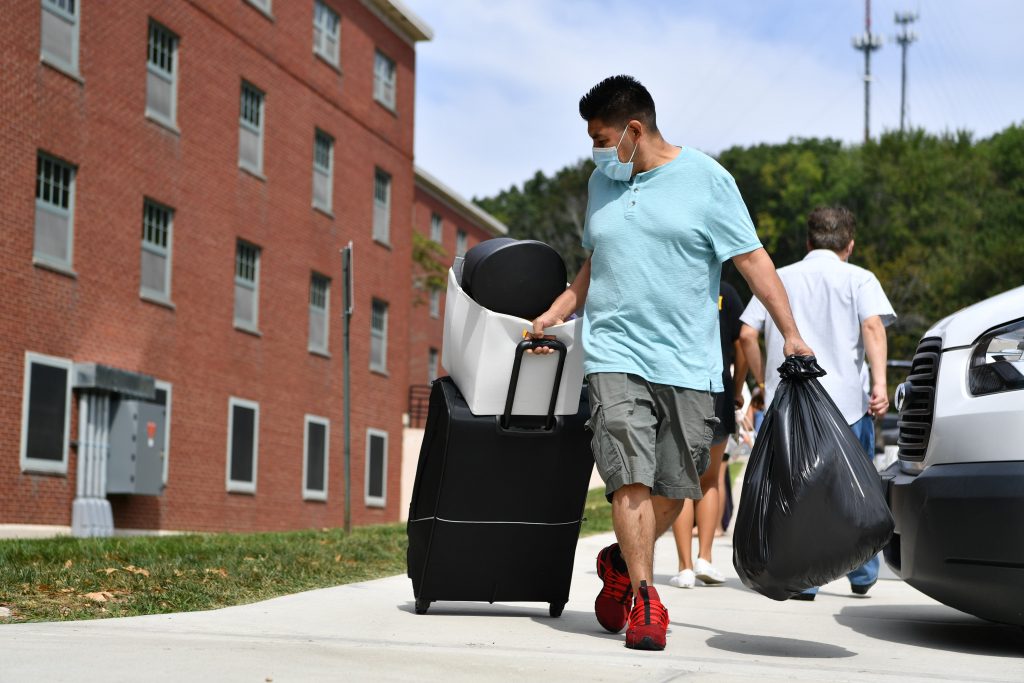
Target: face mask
x,y
607,159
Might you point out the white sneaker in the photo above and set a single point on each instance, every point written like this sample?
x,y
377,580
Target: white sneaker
x,y
707,573
684,579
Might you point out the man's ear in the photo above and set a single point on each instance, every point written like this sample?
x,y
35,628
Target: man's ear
x,y
849,250
636,129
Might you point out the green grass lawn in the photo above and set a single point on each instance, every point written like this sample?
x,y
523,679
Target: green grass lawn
x,y
71,578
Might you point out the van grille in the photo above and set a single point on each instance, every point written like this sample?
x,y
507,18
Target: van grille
x,y
915,421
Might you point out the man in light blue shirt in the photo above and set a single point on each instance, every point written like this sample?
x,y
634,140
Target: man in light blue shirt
x,y
661,220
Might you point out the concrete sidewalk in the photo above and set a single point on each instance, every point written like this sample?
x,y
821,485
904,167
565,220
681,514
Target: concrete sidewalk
x,y
368,631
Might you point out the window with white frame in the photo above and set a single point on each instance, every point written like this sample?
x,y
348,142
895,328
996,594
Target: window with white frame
x,y
432,365
435,303
379,336
156,251
326,24
461,240
161,74
163,398
436,233
384,78
45,414
263,5
243,445
55,203
250,129
376,468
323,170
382,207
319,293
58,34
247,282
315,458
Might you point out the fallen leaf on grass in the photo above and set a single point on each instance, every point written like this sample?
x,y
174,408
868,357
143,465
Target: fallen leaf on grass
x,y
101,596
219,571
337,558
108,570
69,564
137,570
178,572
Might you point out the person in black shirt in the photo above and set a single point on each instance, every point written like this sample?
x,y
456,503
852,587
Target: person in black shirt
x,y
708,510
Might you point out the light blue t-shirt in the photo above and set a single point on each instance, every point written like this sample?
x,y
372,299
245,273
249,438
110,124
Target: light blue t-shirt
x,y
658,242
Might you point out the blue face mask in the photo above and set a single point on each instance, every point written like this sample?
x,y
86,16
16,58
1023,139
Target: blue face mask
x,y
607,159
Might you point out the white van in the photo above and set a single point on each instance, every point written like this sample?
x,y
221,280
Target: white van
x,y
957,489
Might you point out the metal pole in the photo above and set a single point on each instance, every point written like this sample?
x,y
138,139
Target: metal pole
x,y
867,43
346,266
904,38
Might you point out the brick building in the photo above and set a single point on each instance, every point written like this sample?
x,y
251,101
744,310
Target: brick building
x,y
180,178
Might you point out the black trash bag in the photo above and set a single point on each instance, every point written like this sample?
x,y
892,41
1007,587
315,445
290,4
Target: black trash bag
x,y
812,507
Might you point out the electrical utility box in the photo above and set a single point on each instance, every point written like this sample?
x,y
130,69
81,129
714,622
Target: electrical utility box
x,y
135,463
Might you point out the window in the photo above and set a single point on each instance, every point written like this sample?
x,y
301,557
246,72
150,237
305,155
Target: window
x,y
432,364
314,462
435,303
379,336
382,207
59,34
376,468
250,130
163,398
319,291
384,77
247,283
55,203
161,67
262,5
325,32
156,251
243,445
323,169
435,228
45,414
460,243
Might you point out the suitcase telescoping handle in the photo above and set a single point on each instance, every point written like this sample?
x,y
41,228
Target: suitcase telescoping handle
x,y
521,348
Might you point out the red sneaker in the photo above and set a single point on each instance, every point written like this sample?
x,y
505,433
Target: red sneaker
x,y
612,603
648,622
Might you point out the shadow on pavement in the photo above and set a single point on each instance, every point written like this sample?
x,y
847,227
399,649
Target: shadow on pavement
x,y
934,626
581,624
770,646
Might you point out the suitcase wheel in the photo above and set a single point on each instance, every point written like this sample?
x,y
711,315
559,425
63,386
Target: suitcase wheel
x,y
422,605
555,609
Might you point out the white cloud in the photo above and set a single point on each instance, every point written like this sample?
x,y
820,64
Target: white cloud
x,y
498,87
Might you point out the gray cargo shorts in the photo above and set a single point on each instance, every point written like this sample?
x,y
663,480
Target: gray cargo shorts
x,y
652,434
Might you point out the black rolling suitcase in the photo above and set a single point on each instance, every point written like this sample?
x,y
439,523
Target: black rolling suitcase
x,y
498,500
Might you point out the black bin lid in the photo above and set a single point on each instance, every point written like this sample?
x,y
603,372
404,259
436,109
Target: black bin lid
x,y
515,277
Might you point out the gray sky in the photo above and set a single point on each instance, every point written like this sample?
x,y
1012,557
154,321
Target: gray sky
x,y
498,87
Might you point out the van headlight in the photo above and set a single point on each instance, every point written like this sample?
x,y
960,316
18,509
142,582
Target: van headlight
x,y
997,362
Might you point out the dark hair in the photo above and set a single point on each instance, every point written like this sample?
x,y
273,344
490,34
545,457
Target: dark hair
x,y
618,99
831,227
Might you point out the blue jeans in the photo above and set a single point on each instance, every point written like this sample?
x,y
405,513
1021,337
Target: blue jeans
x,y
867,573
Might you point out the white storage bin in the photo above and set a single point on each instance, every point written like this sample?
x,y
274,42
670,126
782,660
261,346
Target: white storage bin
x,y
479,351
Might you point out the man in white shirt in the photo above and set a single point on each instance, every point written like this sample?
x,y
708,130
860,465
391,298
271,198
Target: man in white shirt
x,y
842,312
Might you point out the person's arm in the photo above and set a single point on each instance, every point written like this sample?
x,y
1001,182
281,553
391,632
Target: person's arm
x,y
876,348
757,269
752,352
740,374
567,303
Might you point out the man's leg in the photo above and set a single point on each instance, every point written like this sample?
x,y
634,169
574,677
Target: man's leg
x,y
639,520
864,577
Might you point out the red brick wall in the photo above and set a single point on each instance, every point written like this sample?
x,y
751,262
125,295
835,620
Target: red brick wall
x,y
123,157
424,331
